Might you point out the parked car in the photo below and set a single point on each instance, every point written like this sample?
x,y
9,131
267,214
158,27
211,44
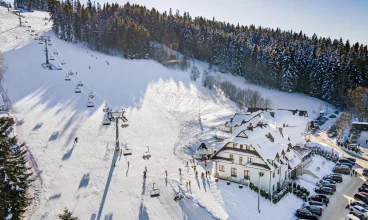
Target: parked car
x,y
352,159
334,178
330,181
360,203
332,186
359,211
351,217
345,164
306,214
324,190
321,182
365,172
314,203
361,197
313,209
332,116
342,170
363,189
365,184
355,215
319,198
345,160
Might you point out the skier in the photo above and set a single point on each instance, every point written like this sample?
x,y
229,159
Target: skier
x,y
202,175
356,173
196,173
180,171
186,183
75,140
187,164
114,162
189,183
144,174
206,173
145,168
89,67
121,151
166,172
128,163
195,168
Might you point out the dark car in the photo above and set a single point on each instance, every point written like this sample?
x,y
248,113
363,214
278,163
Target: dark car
x,y
313,209
343,163
363,189
353,160
360,203
320,198
332,186
306,214
330,181
342,170
324,190
332,116
338,179
365,172
344,160
361,197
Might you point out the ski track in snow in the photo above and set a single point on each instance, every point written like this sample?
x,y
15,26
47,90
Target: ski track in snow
x,y
161,106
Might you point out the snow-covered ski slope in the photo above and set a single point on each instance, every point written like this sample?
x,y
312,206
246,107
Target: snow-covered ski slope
x,y
161,106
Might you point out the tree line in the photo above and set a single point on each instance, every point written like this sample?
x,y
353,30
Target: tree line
x,y
289,61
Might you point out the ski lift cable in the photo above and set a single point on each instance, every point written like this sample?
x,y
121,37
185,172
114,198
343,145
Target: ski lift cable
x,y
84,83
76,83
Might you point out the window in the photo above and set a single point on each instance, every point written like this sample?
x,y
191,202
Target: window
x,y
250,160
221,168
233,172
240,160
231,156
273,186
247,147
246,174
278,171
273,175
241,146
235,145
285,174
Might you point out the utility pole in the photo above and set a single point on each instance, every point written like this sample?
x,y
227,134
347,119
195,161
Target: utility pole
x,y
115,116
47,53
259,188
20,19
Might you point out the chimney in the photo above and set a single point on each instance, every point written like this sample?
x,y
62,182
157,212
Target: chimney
x,y
280,130
250,127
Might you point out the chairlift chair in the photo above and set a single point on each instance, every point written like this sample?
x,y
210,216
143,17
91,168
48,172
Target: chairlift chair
x,y
50,44
59,67
147,154
127,151
40,42
80,83
154,192
90,104
63,62
52,58
106,121
70,73
77,89
57,53
67,78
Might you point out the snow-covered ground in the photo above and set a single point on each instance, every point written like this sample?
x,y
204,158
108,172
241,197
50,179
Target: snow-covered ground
x,y
161,106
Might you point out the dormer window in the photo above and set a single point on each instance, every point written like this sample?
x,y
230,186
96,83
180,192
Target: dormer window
x,y
235,145
241,146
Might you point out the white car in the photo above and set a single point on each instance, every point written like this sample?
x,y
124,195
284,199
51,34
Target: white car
x,y
359,211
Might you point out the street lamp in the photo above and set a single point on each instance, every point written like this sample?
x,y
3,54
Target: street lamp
x,y
259,188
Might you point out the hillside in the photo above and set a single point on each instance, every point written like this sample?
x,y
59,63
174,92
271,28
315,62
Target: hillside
x,y
161,105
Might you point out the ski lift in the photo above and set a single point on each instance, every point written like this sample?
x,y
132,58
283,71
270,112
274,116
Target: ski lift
x,y
52,58
50,44
40,42
77,89
70,73
90,103
80,83
63,62
67,78
154,192
59,67
146,155
57,53
106,120
127,151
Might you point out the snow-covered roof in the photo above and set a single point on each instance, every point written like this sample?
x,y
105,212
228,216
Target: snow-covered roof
x,y
294,159
359,123
238,119
237,152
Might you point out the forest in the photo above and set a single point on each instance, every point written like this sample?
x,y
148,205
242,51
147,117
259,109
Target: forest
x,y
285,60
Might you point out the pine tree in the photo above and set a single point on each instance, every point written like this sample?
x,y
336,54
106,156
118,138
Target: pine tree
x,y
14,173
67,215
